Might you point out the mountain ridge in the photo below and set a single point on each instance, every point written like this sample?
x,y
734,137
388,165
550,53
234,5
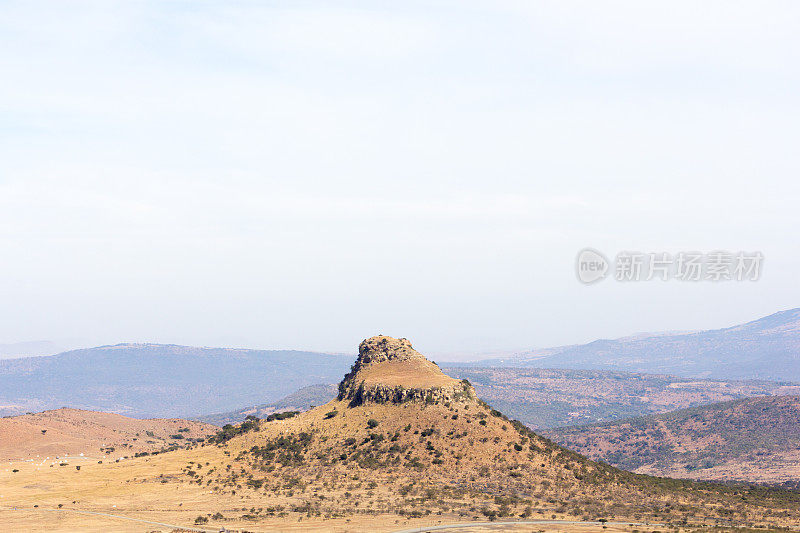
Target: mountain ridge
x,y
154,380
764,348
747,439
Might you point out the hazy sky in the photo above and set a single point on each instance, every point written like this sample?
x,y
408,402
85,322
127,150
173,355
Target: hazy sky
x,y
307,174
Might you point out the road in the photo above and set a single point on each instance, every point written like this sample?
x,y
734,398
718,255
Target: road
x,y
414,530
517,523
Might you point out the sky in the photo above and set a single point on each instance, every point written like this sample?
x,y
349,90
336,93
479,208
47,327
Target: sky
x,y
308,174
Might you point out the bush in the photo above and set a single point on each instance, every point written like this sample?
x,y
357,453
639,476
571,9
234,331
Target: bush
x,y
372,423
251,423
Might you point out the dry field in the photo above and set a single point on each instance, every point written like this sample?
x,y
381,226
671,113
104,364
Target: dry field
x,y
157,490
75,432
401,454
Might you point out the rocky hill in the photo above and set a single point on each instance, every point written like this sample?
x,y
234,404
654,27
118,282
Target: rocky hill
x,y
552,398
752,439
153,380
402,445
391,371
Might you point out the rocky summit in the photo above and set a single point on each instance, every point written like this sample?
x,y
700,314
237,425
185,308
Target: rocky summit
x,y
403,446
390,370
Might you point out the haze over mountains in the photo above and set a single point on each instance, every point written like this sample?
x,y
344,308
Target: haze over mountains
x,y
30,348
548,398
551,398
767,348
151,380
300,400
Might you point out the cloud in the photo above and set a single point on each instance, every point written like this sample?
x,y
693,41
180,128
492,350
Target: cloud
x,y
155,154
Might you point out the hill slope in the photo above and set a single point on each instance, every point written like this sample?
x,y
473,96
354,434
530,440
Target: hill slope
x,y
752,439
147,380
300,400
767,348
401,445
74,432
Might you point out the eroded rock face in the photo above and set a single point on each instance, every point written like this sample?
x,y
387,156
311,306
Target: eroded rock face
x,y
383,348
381,352
361,394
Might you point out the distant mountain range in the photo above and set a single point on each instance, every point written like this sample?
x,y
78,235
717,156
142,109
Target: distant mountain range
x,y
767,348
152,380
751,439
549,398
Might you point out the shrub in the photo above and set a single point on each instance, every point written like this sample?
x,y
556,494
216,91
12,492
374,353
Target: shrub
x,y
255,483
372,423
251,423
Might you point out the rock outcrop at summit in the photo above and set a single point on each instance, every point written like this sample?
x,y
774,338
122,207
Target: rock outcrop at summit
x,y
390,370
